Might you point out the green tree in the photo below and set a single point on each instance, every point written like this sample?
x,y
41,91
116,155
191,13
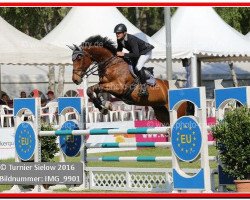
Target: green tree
x,y
150,20
36,21
237,17
39,21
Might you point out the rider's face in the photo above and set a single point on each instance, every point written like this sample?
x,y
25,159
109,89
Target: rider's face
x,y
120,35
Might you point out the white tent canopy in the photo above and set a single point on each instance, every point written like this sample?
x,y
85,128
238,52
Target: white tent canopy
x,y
83,22
248,36
19,48
200,31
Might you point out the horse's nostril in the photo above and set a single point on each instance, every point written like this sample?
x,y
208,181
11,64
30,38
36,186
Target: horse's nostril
x,y
76,82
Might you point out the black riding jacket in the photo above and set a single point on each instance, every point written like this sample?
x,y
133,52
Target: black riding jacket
x,y
135,46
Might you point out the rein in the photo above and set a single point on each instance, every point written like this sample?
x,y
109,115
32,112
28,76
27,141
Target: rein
x,y
95,68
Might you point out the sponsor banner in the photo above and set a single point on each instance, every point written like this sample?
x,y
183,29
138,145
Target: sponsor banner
x,y
150,137
7,146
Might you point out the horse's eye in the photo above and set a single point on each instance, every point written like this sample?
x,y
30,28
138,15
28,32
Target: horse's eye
x,y
79,57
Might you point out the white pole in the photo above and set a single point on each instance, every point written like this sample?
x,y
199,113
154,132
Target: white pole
x,y
169,72
194,70
86,99
38,150
1,80
204,150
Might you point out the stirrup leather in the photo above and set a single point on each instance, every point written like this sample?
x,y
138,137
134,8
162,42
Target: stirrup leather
x,y
143,90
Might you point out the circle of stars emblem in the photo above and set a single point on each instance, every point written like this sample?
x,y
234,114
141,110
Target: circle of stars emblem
x,y
25,141
70,144
186,138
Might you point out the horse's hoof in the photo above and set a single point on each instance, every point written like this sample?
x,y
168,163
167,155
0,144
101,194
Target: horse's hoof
x,y
108,105
104,111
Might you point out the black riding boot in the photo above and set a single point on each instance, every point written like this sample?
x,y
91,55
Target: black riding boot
x,y
143,79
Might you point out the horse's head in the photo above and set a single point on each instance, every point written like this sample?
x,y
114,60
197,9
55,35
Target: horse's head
x,y
81,62
94,49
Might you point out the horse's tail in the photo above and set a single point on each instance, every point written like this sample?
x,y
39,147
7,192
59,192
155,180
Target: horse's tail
x,y
183,109
162,112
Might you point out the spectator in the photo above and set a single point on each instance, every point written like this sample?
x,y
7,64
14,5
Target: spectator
x,y
43,102
51,97
23,94
50,108
4,99
187,64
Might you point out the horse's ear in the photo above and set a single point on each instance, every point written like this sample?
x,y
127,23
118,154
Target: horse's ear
x,y
77,47
72,48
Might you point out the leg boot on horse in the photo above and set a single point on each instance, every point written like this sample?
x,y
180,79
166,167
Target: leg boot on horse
x,y
94,93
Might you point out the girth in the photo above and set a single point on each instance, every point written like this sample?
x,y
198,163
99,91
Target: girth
x,y
126,97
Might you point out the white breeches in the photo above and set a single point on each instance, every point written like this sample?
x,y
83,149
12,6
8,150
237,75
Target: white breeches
x,y
143,59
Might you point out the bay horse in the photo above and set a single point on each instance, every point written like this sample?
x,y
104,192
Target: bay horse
x,y
115,78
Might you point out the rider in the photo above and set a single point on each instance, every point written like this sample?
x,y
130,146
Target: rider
x,y
139,52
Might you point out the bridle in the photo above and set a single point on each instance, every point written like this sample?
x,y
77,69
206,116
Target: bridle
x,y
97,67
75,58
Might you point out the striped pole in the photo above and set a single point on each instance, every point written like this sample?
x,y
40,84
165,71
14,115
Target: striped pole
x,y
136,159
133,144
127,145
158,130
130,159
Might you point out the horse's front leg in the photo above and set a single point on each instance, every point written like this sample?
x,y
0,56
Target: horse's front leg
x,y
94,93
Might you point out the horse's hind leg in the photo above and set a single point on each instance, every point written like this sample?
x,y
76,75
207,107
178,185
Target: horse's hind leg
x,y
91,95
162,115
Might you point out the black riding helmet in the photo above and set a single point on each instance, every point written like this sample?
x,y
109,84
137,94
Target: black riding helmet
x,y
120,28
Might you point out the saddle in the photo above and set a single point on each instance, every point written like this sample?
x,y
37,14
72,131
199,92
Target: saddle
x,y
151,81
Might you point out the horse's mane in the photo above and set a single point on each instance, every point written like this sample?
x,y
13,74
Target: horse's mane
x,y
98,40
